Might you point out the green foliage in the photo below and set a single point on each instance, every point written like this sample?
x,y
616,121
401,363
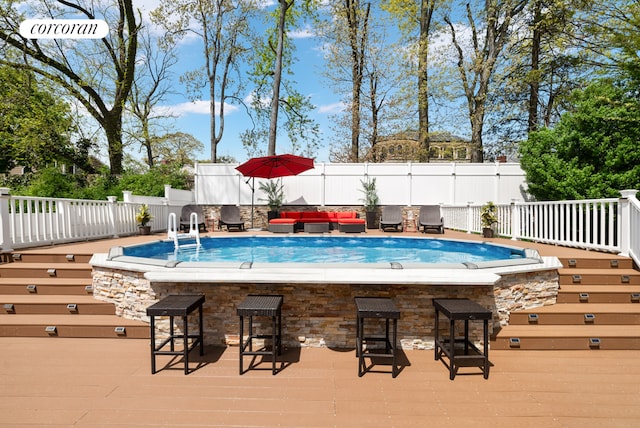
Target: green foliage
x,y
370,199
274,189
34,126
488,214
593,152
143,216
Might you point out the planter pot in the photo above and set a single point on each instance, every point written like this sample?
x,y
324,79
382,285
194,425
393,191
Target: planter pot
x,y
372,219
144,230
487,232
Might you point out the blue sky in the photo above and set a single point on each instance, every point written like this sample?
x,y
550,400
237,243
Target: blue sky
x,y
193,117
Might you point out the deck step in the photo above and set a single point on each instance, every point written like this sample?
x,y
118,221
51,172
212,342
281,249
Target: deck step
x,y
55,304
599,276
574,337
46,286
599,261
49,256
599,294
95,326
578,314
45,270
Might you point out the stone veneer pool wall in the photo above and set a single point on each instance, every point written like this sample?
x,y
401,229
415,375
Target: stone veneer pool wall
x,y
324,314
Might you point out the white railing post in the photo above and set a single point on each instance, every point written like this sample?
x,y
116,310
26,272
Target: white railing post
x,y
5,224
113,216
515,220
624,223
469,217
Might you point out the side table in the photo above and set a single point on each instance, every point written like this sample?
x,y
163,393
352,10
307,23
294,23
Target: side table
x,y
466,310
176,305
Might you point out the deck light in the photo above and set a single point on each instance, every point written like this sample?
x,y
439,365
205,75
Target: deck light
x,y
614,263
88,288
594,342
572,263
533,317
72,307
635,297
576,279
625,279
589,317
120,331
584,297
514,342
16,256
9,307
52,330
31,288
51,272
70,257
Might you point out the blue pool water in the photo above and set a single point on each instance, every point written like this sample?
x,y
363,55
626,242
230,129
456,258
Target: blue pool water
x,y
334,249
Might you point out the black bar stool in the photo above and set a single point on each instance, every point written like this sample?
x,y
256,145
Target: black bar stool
x,y
176,305
466,310
381,308
266,306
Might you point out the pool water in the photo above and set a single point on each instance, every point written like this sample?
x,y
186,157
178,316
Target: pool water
x,y
334,249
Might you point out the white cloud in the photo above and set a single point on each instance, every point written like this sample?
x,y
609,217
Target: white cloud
x,y
196,107
331,108
303,33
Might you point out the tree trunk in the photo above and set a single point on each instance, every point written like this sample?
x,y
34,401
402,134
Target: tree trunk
x,y
426,12
277,77
534,85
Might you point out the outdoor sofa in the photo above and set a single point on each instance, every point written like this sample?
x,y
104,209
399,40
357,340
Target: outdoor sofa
x,y
291,221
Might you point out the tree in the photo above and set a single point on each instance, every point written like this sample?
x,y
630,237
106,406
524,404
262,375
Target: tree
x,y
149,88
224,28
35,127
98,74
477,70
274,94
593,150
177,148
412,14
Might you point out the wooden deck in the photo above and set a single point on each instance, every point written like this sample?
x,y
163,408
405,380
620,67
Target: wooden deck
x,y
105,382
63,382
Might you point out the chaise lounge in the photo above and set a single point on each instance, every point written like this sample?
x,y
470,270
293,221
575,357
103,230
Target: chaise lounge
x,y
185,217
391,218
430,218
230,217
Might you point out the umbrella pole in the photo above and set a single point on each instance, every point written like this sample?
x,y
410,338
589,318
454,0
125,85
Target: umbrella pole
x,y
253,191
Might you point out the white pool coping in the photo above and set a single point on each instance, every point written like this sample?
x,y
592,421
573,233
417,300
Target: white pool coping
x,y
485,273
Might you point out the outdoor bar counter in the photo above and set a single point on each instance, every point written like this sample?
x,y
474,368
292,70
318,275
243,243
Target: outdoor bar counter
x,y
318,307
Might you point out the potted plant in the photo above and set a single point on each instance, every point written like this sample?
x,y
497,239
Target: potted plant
x,y
143,217
370,201
488,218
274,190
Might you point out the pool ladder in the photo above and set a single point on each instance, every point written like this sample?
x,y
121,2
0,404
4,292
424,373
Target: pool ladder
x,y
174,233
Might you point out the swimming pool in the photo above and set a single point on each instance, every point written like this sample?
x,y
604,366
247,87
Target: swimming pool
x,y
333,249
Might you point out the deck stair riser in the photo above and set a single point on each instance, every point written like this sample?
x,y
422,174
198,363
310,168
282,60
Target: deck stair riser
x,y
599,277
598,308
45,270
50,295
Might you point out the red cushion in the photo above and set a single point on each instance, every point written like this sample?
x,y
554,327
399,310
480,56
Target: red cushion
x,y
351,221
282,221
290,214
346,214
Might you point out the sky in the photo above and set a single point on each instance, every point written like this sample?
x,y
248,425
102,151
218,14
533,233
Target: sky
x,y
193,117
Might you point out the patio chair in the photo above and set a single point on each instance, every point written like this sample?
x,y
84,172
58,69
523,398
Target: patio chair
x,y
430,218
185,216
230,217
391,218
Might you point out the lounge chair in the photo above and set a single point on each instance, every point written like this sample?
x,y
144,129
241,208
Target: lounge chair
x,y
391,218
230,217
185,217
430,218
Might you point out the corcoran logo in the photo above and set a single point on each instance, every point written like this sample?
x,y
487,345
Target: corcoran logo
x,y
64,29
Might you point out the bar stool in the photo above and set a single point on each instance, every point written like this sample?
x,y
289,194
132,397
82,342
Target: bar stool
x,y
266,306
381,308
176,305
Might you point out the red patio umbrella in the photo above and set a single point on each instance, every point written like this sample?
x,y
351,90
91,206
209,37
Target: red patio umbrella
x,y
273,167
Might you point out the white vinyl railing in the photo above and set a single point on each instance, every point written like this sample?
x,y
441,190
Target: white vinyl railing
x,y
32,221
611,225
